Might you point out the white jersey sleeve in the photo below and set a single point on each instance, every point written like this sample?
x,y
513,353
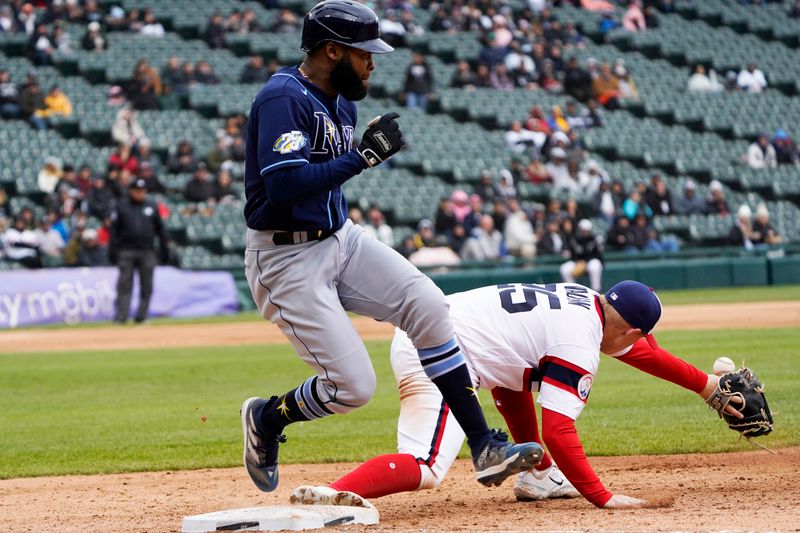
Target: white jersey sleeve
x,y
571,362
515,335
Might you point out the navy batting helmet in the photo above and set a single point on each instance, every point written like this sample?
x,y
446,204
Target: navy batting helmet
x,y
344,22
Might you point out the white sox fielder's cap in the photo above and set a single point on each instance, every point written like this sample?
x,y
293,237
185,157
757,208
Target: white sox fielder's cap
x,y
636,303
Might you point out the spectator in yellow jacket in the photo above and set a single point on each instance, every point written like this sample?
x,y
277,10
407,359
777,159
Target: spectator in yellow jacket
x,y
56,103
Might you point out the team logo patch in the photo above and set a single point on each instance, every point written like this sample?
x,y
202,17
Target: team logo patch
x,y
585,386
148,211
289,142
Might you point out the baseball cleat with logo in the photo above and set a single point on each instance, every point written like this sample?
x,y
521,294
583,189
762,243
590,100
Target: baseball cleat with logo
x,y
544,484
260,450
322,495
499,459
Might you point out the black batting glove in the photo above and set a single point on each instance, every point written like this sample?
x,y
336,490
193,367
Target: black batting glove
x,y
382,139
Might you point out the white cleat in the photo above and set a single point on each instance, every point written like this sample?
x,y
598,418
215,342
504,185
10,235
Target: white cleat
x,y
541,485
321,495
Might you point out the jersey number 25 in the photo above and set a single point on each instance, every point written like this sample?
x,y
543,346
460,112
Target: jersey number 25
x,y
521,297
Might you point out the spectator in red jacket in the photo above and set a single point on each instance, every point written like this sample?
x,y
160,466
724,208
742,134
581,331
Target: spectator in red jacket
x,y
123,159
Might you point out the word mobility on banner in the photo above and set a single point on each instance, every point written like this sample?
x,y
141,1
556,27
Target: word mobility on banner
x,y
75,295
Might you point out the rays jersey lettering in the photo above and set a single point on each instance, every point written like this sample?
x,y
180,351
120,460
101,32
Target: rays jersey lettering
x,y
293,123
327,138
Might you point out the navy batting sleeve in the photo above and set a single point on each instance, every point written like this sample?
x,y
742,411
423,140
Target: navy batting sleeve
x,y
287,185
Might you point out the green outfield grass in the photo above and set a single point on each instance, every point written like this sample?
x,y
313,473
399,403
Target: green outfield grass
x,y
731,294
141,410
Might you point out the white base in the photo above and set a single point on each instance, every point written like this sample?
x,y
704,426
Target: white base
x,y
280,517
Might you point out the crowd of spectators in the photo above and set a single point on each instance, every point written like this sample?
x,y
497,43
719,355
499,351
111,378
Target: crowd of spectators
x,y
74,229
64,232
749,80
536,61
530,49
149,88
753,234
768,153
29,102
492,225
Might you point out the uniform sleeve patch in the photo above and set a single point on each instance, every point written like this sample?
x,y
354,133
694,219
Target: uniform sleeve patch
x,y
585,386
289,142
568,377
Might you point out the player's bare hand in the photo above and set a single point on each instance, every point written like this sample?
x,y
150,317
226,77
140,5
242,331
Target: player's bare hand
x,y
620,501
382,139
735,404
732,409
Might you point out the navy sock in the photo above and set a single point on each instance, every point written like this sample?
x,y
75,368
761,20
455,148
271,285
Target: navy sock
x,y
298,404
446,367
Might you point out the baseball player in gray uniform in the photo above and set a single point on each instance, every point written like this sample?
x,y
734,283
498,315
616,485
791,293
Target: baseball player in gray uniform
x,y
307,265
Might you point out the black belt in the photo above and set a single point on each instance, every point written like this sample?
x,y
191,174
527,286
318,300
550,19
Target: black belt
x,y
280,238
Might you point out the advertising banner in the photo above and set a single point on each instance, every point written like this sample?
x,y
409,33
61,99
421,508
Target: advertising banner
x,y
75,295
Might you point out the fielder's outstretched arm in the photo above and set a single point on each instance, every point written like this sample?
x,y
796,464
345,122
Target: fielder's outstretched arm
x,y
565,447
647,356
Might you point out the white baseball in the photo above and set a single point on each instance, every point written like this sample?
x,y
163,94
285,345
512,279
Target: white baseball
x,y
723,365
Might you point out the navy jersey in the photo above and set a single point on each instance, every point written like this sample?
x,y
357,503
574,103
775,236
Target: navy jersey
x,y
298,154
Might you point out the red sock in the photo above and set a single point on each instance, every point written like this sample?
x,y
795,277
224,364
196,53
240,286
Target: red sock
x,y
520,416
382,475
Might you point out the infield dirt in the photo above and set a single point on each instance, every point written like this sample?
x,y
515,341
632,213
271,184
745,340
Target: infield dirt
x,y
744,491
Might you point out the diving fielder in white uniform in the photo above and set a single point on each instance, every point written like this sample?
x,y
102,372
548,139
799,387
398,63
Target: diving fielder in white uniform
x,y
519,338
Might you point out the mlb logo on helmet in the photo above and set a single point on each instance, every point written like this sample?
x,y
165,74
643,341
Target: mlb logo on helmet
x,y
636,303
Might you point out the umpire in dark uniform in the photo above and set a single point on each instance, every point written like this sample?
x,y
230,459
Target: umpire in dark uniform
x,y
135,223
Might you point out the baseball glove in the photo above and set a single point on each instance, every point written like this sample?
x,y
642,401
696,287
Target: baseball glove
x,y
745,386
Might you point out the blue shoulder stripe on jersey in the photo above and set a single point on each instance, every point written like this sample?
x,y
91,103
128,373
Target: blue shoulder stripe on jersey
x,y
280,163
305,91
